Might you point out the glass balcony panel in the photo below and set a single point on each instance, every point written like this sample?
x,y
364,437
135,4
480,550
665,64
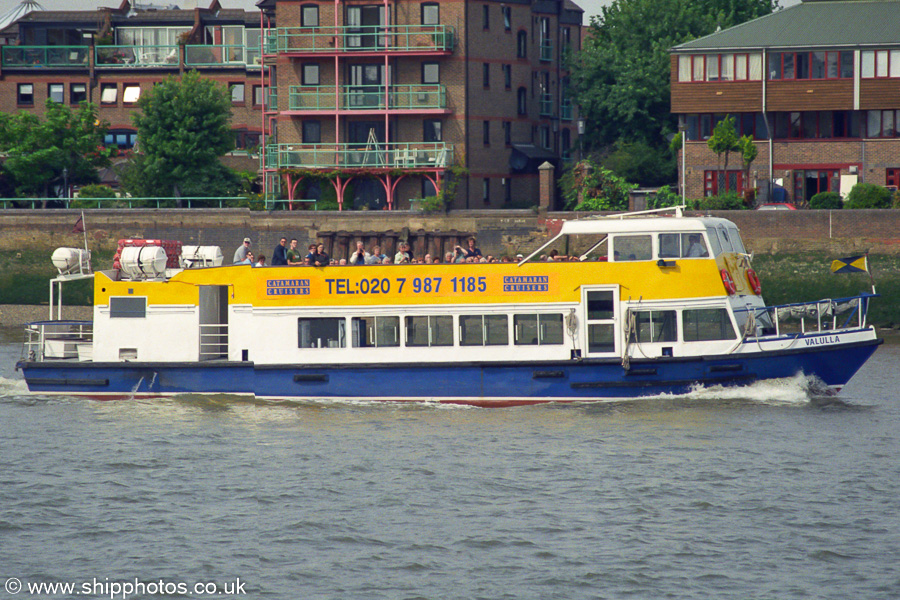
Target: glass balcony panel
x,y
137,56
35,57
413,155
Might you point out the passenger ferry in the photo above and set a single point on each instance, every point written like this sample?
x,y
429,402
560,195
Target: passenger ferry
x,y
645,305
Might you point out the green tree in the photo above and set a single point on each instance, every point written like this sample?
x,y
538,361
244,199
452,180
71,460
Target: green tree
x,y
39,149
640,161
724,140
620,79
588,186
183,129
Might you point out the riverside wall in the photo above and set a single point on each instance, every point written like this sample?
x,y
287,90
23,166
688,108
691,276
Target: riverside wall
x,y
498,232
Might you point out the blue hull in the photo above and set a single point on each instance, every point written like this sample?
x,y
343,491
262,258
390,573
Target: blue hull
x,y
481,384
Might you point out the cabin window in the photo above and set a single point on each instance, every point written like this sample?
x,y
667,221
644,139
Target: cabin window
x,y
654,326
429,331
127,308
538,330
632,247
321,333
601,327
375,332
483,330
707,324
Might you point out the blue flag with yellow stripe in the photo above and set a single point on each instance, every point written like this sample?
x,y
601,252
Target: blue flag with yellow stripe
x,y
851,264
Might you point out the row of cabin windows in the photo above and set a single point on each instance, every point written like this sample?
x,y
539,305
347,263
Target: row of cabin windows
x,y
820,64
430,330
822,124
697,325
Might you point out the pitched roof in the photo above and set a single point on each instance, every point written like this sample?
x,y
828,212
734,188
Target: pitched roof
x,y
813,23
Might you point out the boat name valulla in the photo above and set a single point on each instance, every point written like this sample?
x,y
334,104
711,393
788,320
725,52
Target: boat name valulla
x,y
821,341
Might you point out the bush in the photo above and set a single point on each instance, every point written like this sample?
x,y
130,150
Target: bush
x,y
663,198
826,201
726,201
869,195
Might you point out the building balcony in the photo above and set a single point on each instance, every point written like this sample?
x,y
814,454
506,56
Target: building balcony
x,y
368,98
272,100
137,56
41,57
546,51
395,155
412,39
222,55
566,110
546,105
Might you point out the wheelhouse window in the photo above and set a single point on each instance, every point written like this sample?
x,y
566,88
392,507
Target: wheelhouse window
x,y
309,15
431,13
652,326
538,330
429,330
600,321
322,332
707,324
25,96
632,247
375,332
127,307
682,245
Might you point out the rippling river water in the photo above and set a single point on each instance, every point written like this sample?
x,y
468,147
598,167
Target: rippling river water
x,y
763,493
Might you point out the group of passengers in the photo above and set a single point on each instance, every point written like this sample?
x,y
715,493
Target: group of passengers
x,y
291,255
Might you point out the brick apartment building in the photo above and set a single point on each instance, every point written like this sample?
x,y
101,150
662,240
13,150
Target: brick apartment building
x,y
111,56
817,84
387,96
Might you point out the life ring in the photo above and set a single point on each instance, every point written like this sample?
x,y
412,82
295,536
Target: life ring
x,y
753,279
728,281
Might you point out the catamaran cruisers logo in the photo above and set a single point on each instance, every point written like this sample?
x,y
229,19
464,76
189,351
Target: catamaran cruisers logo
x,y
287,287
822,341
526,283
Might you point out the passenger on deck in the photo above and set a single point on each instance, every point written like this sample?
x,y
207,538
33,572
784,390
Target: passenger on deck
x,y
696,247
248,260
359,256
241,253
402,253
293,254
428,260
321,256
311,255
471,251
376,258
260,261
279,255
448,258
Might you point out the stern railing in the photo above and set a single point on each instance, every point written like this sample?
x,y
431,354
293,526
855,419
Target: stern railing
x,y
59,340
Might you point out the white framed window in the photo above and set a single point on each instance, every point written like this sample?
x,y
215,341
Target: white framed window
x,y
109,93
131,93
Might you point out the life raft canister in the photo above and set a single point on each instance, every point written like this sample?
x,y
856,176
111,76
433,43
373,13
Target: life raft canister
x,y
753,280
728,281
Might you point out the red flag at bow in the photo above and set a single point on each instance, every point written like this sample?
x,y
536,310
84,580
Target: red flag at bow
x,y
79,226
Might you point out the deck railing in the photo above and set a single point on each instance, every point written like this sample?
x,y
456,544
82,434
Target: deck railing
x,y
396,155
39,57
392,38
213,342
368,97
809,317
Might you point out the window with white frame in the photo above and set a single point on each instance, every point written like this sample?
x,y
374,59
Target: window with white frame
x,y
56,92
131,93
25,94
